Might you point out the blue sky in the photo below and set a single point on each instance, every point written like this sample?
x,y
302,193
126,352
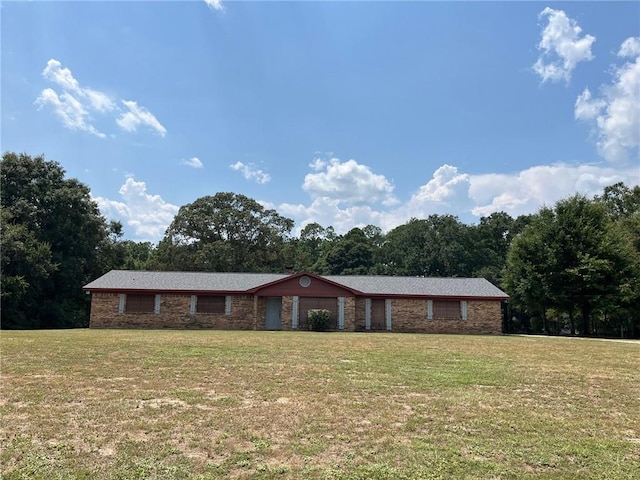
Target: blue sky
x,y
341,113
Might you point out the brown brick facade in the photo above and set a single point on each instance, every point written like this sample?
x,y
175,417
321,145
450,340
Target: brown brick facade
x,y
174,313
410,315
248,313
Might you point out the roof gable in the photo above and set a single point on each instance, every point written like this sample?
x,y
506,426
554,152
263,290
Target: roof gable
x,y
305,285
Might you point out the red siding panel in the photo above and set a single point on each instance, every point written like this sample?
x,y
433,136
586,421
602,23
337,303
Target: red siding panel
x,y
291,287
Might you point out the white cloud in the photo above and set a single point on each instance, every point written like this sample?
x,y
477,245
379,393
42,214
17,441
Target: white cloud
x,y
329,212
136,116
63,77
445,183
76,105
616,114
348,182
562,47
467,196
526,191
215,4
318,164
69,110
148,215
193,162
586,107
252,172
630,47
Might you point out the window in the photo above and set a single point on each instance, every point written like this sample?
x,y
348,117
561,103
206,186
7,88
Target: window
x,y
211,304
136,303
446,309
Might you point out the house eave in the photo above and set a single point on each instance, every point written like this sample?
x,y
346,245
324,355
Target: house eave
x,y
166,291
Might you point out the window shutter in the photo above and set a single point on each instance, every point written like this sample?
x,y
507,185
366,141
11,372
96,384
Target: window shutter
x,y
463,309
122,302
387,313
429,309
340,313
367,314
227,305
192,305
156,305
294,313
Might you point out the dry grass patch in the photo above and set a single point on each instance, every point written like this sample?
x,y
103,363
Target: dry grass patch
x,y
112,404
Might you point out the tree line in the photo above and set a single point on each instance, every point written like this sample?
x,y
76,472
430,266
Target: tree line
x,y
571,268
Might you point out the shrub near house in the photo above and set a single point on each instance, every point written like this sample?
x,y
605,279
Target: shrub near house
x,y
319,319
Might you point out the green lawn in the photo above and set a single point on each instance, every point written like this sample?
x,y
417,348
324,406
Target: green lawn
x,y
125,404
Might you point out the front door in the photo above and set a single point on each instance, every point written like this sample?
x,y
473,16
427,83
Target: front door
x,y
378,315
273,319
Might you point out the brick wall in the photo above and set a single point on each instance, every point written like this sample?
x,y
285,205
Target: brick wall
x,y
287,313
360,318
174,313
408,315
350,314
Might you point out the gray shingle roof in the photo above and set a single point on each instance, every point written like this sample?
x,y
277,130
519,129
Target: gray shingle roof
x,y
431,286
181,281
242,282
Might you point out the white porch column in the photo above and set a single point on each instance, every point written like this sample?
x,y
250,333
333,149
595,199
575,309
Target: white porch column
x,y
367,314
295,308
387,312
340,313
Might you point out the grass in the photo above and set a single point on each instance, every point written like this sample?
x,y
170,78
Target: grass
x,y
131,404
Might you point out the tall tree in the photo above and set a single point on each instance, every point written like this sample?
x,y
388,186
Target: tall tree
x,y
437,246
311,247
491,239
528,273
224,232
52,232
351,254
569,260
620,201
622,206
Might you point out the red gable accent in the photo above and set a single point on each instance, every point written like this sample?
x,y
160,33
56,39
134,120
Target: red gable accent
x,y
293,286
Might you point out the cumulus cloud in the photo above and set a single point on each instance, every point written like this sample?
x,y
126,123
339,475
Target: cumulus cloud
x,y
137,116
193,162
69,110
562,46
630,47
64,78
251,172
318,164
148,215
467,196
215,5
348,182
615,115
526,191
329,212
77,106
588,108
445,184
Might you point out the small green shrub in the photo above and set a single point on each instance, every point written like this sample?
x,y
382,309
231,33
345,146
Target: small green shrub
x,y
319,319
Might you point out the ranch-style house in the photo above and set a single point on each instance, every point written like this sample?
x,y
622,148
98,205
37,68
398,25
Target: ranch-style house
x,y
270,301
